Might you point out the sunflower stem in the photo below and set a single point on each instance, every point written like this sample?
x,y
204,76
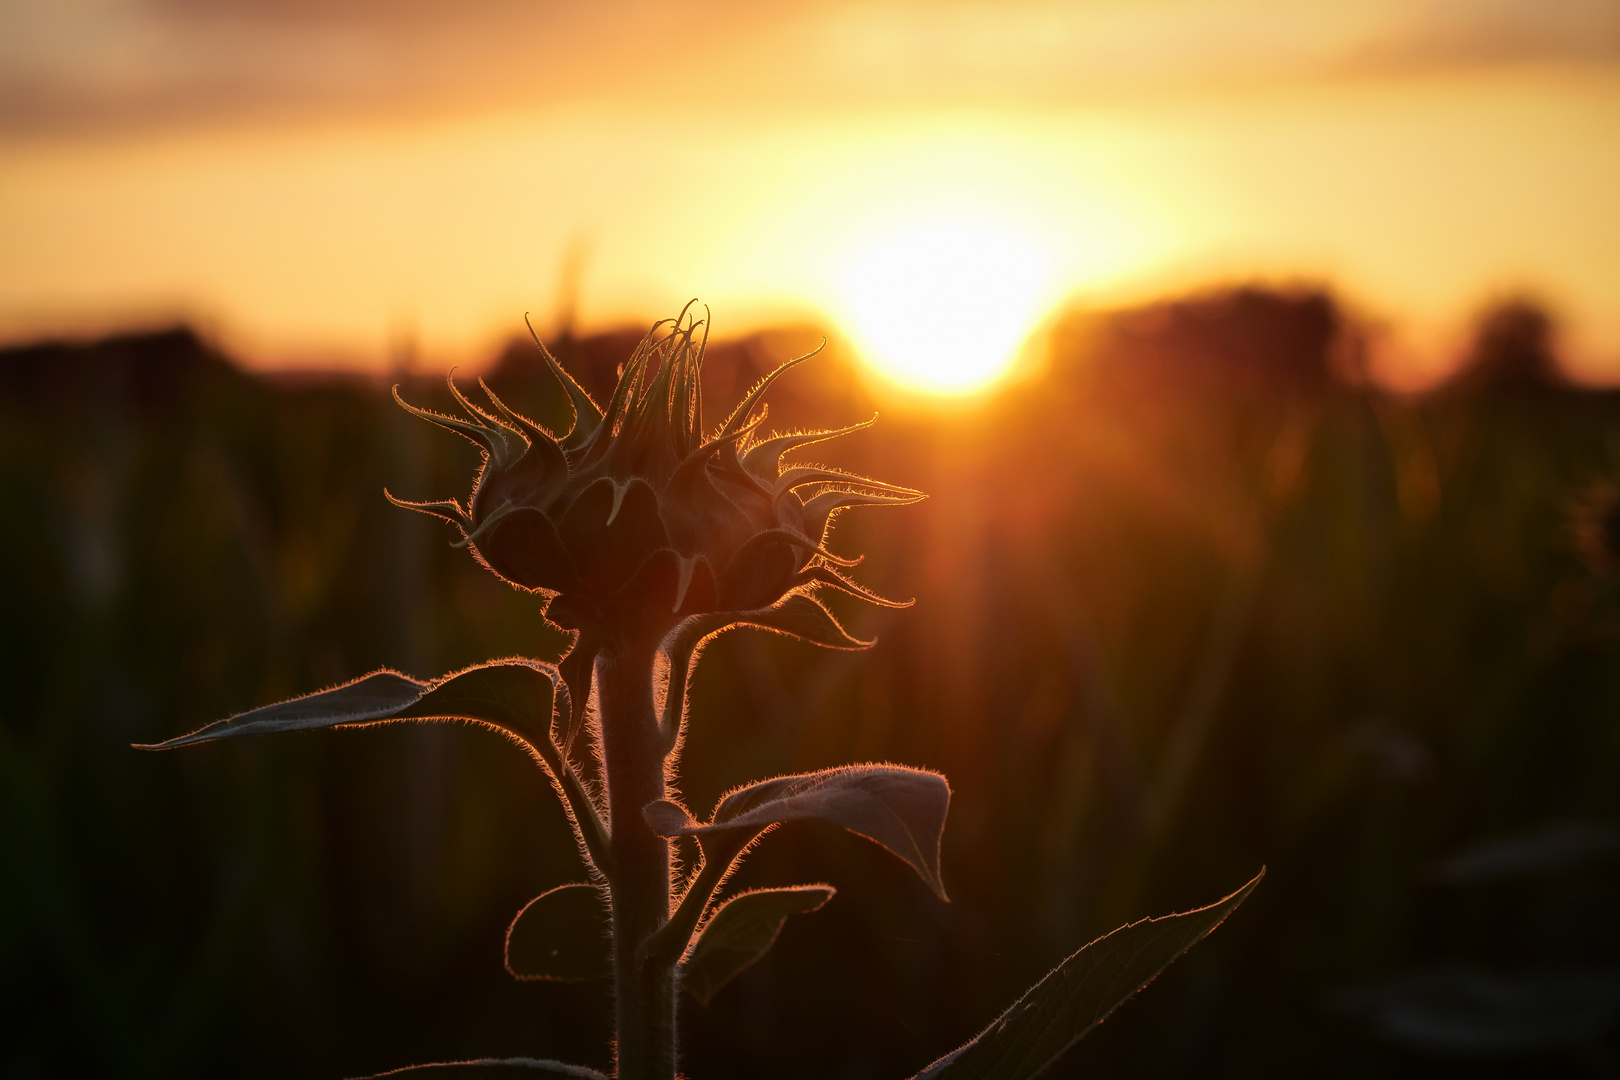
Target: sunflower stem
x,y
644,985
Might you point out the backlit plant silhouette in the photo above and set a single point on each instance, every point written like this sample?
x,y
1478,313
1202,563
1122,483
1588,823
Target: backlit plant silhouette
x,y
652,532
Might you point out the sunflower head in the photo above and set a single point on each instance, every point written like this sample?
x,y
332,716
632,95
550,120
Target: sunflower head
x,y
642,515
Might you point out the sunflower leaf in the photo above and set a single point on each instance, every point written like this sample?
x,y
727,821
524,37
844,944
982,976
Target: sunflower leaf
x,y
514,696
561,936
899,808
741,932
1078,994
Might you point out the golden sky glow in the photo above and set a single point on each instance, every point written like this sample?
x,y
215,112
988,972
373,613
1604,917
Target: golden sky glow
x,y
316,183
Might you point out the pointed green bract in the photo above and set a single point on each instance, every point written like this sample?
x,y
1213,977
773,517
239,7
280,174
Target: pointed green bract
x,y
1075,997
800,475
826,575
820,508
561,936
741,932
805,618
740,414
586,414
764,458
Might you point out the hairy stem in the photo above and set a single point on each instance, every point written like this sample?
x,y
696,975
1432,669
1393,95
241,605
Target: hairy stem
x,y
634,759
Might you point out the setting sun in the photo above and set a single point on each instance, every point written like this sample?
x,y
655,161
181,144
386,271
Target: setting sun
x,y
944,306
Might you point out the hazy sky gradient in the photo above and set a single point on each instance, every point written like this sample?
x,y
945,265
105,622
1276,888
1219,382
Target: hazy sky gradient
x,y
317,178
116,64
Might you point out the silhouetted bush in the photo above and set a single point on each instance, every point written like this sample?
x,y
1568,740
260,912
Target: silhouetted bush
x,y
1512,352
1228,345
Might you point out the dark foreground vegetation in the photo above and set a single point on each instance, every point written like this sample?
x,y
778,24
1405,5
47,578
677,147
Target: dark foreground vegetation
x,y
1197,599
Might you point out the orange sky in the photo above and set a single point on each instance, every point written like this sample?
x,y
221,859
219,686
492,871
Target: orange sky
x,y
315,181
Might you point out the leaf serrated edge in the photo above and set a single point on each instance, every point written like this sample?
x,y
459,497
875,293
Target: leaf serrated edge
x,y
940,1069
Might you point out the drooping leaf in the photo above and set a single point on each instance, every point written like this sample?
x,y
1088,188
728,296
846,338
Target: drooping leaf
x,y
377,696
484,1068
741,932
561,936
514,696
1058,1011
900,808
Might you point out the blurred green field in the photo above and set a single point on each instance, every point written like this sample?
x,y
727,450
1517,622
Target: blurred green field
x,y
1195,599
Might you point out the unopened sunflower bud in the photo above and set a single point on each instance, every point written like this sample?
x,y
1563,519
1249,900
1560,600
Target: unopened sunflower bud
x,y
640,516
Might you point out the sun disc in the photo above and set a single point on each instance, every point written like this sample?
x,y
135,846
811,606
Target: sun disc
x,y
944,307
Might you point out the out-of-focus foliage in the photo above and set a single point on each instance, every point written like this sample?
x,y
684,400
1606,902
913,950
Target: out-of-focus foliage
x,y
1195,600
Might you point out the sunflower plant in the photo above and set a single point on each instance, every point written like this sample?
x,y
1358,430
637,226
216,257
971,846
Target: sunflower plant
x,y
649,532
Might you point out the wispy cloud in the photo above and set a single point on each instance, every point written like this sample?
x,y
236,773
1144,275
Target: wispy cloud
x,y
114,64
